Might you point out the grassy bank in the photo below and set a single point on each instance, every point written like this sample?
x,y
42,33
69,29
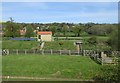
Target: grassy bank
x,y
12,44
55,45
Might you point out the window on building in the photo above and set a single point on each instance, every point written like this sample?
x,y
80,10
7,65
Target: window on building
x,y
39,37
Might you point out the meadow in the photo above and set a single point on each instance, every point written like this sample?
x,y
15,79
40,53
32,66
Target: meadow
x,y
50,66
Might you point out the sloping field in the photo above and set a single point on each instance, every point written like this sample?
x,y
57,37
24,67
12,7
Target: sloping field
x,y
14,44
50,66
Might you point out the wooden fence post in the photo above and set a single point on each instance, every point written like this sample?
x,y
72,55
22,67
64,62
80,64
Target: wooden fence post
x,y
25,51
51,51
102,57
42,52
60,52
8,52
17,51
83,52
69,52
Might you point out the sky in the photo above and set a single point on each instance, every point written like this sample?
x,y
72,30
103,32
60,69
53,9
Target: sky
x,y
60,0
70,12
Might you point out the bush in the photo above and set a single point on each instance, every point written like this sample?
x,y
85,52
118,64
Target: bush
x,y
108,73
92,40
113,40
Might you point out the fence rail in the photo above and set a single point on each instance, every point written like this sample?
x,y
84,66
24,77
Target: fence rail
x,y
60,52
43,52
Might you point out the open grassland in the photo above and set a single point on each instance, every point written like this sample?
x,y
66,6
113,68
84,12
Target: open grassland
x,y
50,66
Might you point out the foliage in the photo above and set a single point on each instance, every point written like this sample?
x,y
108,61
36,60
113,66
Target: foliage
x,y
92,40
29,31
108,73
84,34
53,29
100,29
64,30
77,30
11,29
113,40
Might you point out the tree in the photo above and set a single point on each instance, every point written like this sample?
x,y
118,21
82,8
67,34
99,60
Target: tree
x,y
100,29
29,31
11,29
92,40
64,29
113,40
77,30
53,29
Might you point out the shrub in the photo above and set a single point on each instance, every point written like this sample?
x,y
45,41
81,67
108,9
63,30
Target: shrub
x,y
92,40
108,73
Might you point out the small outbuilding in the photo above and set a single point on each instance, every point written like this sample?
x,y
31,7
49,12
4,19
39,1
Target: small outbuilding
x,y
44,35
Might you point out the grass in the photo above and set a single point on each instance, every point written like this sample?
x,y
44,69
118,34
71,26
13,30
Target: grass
x,y
66,44
50,66
12,44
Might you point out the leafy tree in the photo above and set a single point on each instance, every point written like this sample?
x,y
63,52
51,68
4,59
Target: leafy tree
x,y
11,29
92,40
53,29
29,31
111,72
77,30
65,29
113,40
99,29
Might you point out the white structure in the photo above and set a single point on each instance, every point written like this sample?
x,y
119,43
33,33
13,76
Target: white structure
x,y
44,35
42,45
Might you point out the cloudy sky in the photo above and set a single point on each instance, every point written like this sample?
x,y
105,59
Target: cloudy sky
x,y
72,12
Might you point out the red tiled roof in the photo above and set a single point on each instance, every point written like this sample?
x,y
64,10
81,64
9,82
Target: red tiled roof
x,y
44,33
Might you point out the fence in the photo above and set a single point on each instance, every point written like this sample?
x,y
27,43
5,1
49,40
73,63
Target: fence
x,y
42,52
60,52
116,53
95,55
91,53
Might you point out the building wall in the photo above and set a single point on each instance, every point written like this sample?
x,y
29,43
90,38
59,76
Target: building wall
x,y
46,38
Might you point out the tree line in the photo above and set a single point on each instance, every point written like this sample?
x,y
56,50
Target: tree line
x,y
11,29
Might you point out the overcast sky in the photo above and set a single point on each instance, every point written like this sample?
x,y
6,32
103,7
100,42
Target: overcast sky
x,y
71,12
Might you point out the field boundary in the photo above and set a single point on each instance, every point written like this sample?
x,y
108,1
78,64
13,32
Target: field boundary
x,y
59,52
94,55
51,52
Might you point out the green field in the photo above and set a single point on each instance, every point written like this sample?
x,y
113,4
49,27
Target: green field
x,y
50,66
66,44
12,44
